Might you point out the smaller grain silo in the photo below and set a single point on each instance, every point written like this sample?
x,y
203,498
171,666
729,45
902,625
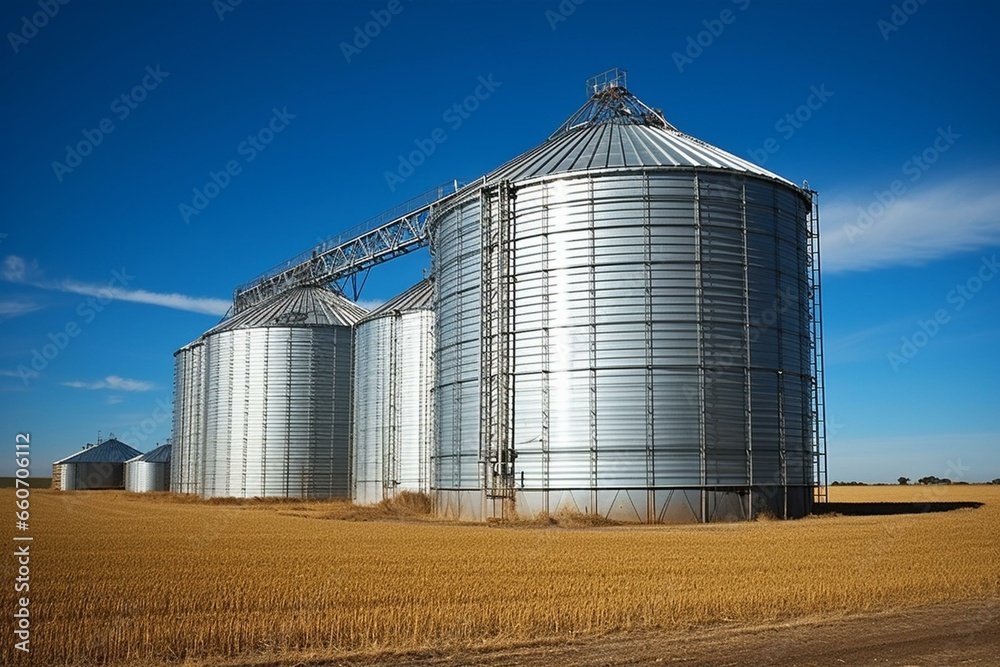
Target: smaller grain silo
x,y
149,472
393,397
99,466
277,398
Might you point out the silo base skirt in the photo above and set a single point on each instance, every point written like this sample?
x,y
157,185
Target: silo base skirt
x,y
674,505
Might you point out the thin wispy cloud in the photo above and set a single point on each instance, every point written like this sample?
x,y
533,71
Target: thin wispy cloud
x,y
860,234
18,270
114,382
16,308
205,305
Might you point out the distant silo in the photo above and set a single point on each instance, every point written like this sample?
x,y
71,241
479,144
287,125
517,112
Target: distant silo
x,y
625,328
99,466
393,397
189,418
149,472
278,396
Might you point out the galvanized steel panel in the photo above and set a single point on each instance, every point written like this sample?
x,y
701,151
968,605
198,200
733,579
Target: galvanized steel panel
x,y
393,398
652,314
455,241
146,476
189,413
277,412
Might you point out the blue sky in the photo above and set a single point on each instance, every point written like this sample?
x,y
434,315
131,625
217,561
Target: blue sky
x,y
888,112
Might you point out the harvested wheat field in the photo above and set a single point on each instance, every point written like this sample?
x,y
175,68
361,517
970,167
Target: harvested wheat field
x,y
157,579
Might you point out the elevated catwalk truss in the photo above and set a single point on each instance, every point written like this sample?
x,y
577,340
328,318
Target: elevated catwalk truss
x,y
340,260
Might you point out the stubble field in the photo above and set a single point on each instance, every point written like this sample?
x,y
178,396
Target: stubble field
x,y
123,579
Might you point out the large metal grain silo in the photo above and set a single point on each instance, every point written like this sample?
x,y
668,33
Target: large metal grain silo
x,y
624,328
278,398
149,472
393,397
189,416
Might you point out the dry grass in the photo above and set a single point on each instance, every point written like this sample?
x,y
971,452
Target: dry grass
x,y
914,493
122,579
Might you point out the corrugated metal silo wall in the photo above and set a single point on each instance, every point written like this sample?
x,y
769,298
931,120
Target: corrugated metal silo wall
x,y
145,476
277,402
188,426
393,410
93,475
457,481
177,476
659,346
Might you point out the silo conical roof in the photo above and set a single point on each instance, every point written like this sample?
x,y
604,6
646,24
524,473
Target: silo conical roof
x,y
418,297
615,129
109,451
159,455
304,306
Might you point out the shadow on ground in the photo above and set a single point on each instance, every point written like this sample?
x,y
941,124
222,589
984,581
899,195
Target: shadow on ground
x,y
877,509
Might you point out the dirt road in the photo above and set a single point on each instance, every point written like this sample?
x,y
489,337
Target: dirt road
x,y
966,633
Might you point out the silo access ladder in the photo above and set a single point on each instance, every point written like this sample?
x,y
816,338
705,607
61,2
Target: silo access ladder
x,y
820,479
496,448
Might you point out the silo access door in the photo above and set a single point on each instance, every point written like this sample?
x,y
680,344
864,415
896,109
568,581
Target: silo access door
x,y
496,449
